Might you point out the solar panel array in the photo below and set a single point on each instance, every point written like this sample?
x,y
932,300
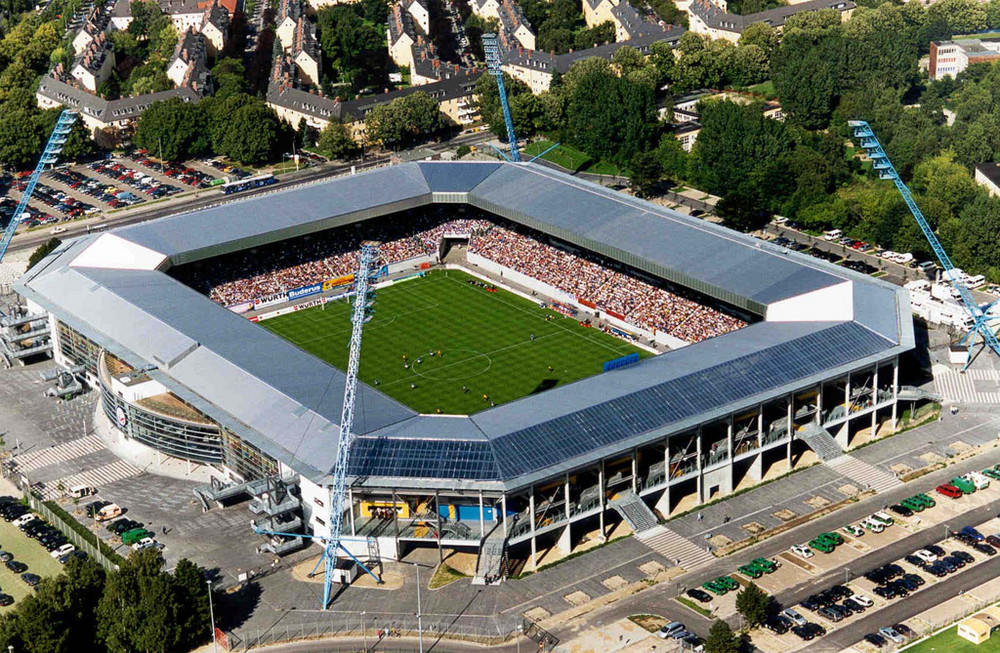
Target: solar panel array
x,y
616,420
423,459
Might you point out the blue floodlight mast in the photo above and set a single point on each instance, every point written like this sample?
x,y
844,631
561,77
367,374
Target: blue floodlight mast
x,y
49,156
880,161
491,46
362,312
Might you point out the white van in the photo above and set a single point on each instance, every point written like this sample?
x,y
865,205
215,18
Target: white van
x,y
975,281
833,234
109,511
80,491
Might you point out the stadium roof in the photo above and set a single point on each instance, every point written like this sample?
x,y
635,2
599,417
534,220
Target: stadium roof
x,y
820,321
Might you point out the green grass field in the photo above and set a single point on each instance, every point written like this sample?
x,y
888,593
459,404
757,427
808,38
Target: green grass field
x,y
949,642
484,339
30,553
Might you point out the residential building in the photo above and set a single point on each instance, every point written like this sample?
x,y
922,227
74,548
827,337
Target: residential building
x,y
596,12
188,58
514,25
97,21
988,176
535,68
306,51
93,67
401,36
289,12
630,24
949,58
215,28
711,19
110,122
184,14
486,8
420,13
685,116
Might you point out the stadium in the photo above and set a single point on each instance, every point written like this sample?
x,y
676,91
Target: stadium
x,y
547,357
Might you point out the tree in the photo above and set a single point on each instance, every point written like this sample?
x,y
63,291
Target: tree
x,y
752,603
805,75
335,141
42,251
627,59
21,139
645,170
941,177
763,36
190,593
252,135
721,639
79,145
404,120
488,98
173,128
229,76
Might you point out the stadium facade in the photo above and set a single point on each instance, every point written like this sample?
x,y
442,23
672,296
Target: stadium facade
x,y
192,379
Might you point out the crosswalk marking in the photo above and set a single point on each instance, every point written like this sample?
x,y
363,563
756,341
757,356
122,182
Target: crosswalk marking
x,y
864,473
59,453
961,388
675,547
104,475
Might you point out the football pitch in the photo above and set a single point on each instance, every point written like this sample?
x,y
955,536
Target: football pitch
x,y
494,347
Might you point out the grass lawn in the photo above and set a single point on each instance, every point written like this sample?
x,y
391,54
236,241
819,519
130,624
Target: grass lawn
x,y
29,552
444,575
485,340
950,642
764,88
564,155
602,168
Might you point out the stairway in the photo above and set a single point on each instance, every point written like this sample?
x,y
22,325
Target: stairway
x,y
634,511
869,476
675,547
820,441
492,558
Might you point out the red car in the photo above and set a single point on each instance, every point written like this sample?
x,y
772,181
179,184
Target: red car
x,y
949,490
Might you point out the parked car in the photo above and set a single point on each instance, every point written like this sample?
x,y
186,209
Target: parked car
x,y
876,640
890,633
16,566
856,531
801,551
6,599
863,600
901,510
699,595
62,550
668,630
31,579
796,618
949,490
984,548
973,533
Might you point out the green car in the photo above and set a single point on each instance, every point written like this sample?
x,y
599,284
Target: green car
x,y
728,582
751,571
715,588
821,545
913,504
833,538
767,565
926,499
963,485
992,473
134,535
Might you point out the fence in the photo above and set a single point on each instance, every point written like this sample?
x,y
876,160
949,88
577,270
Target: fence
x,y
383,630
76,538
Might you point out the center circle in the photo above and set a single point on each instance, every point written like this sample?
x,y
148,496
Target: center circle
x,y
450,365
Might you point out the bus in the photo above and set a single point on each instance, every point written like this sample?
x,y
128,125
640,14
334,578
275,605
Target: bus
x,y
241,185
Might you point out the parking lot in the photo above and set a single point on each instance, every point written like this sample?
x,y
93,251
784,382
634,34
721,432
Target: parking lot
x,y
85,190
917,571
26,551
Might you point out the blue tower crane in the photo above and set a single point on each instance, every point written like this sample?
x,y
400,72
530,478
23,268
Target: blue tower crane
x,y
363,299
880,162
49,156
494,63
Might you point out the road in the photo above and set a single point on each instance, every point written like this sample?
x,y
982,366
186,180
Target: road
x,y
659,599
211,197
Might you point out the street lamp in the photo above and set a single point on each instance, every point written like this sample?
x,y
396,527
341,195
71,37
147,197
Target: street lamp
x,y
420,625
520,631
364,631
847,575
211,613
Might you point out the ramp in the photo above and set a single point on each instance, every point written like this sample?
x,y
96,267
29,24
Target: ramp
x,y
869,476
634,511
820,441
492,561
677,549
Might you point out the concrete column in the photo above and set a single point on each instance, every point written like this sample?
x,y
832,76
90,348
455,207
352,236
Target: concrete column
x,y
531,516
395,522
565,542
698,480
482,522
760,426
895,392
600,495
503,510
791,433
350,502
437,510
819,405
566,494
635,471
874,401
730,468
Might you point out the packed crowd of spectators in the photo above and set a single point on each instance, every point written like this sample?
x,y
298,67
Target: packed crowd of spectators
x,y
639,303
280,267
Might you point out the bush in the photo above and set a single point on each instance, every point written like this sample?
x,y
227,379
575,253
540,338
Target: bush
x,y
43,250
84,532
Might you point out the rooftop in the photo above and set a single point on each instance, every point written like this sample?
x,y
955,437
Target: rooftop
x,y
819,321
716,18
